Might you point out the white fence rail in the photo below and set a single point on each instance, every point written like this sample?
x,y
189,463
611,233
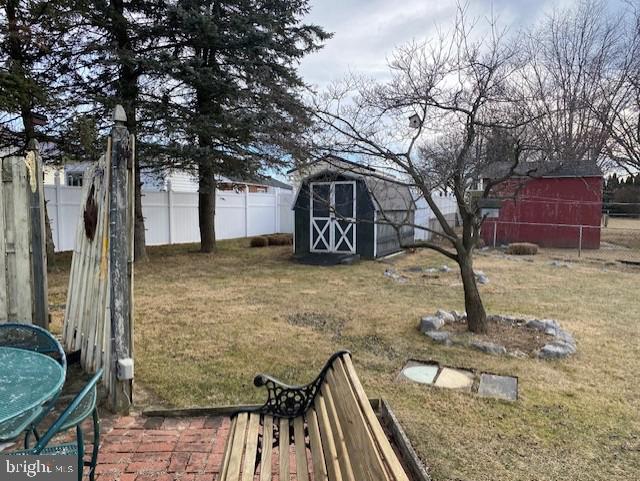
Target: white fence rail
x,y
172,217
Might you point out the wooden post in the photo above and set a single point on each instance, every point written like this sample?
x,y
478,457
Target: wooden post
x,y
119,266
38,247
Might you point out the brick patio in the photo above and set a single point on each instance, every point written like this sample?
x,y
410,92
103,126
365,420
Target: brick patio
x,y
138,448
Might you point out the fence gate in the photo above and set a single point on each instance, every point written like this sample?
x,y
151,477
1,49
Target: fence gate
x,y
98,319
23,258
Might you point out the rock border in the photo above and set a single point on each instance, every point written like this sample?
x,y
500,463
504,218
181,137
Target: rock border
x,y
562,345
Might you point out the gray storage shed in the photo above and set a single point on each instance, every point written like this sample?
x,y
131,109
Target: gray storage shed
x,y
352,211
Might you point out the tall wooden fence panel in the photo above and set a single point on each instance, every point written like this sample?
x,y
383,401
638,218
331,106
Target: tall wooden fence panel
x,y
99,309
23,261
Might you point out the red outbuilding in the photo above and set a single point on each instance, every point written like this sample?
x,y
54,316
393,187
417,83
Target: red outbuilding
x,y
559,206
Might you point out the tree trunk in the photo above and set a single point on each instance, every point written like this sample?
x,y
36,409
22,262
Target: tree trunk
x,y
128,92
139,240
206,207
476,315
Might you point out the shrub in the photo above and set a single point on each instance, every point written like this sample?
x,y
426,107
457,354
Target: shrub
x,y
280,239
259,242
522,249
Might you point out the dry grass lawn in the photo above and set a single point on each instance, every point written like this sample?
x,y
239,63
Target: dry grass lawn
x,y
205,324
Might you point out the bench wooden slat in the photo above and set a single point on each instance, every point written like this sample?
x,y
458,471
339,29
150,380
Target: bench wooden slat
x,y
267,449
227,449
381,439
328,444
338,435
366,462
283,448
248,468
237,448
302,471
315,443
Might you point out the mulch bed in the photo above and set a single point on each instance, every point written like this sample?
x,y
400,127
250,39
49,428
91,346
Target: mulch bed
x,y
512,336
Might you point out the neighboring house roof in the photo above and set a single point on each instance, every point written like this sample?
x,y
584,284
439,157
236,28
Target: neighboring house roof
x,y
551,169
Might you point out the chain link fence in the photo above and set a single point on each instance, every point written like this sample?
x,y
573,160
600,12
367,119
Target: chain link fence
x,y
617,239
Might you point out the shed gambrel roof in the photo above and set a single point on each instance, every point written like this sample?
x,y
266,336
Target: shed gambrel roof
x,y
386,194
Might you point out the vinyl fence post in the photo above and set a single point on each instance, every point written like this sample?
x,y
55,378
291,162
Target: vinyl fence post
x,y
276,210
495,233
170,208
59,221
246,210
580,243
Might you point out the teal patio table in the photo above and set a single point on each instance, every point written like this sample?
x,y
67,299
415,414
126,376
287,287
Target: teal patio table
x,y
27,381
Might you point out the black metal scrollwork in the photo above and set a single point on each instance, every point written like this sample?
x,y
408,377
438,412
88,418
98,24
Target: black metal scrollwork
x,y
286,401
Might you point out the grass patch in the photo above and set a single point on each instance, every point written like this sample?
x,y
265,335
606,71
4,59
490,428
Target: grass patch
x,y
207,323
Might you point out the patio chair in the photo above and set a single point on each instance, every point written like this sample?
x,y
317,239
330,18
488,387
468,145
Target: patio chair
x,y
37,339
82,406
32,338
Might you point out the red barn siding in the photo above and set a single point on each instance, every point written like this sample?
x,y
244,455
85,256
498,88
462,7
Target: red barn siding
x,y
564,202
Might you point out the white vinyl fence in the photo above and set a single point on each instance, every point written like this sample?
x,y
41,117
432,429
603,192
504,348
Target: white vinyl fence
x,y
172,217
425,216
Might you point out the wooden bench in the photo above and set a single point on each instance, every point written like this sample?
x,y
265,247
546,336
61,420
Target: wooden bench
x,y
328,422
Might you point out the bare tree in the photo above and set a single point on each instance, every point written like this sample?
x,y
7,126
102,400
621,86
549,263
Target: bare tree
x,y
619,107
573,60
459,89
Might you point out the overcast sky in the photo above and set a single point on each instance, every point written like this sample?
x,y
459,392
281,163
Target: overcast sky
x,y
366,31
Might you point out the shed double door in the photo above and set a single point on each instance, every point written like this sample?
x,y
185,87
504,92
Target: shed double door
x,y
333,217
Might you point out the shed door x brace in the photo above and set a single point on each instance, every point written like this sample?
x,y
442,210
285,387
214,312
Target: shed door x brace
x,y
333,217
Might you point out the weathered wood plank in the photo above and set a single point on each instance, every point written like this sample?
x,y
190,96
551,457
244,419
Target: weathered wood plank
x,y
251,447
283,449
338,434
315,443
328,442
383,443
227,449
4,308
267,449
366,462
37,229
236,448
119,273
302,470
22,241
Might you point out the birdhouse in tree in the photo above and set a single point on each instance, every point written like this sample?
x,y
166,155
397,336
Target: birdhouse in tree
x,y
414,121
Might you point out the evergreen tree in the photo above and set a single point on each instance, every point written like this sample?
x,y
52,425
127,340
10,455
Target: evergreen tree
x,y
234,103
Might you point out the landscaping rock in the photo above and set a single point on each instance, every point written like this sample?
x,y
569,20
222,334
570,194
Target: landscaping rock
x,y
559,264
392,274
459,316
481,277
445,269
565,336
555,350
441,337
536,324
489,347
431,323
446,316
550,326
